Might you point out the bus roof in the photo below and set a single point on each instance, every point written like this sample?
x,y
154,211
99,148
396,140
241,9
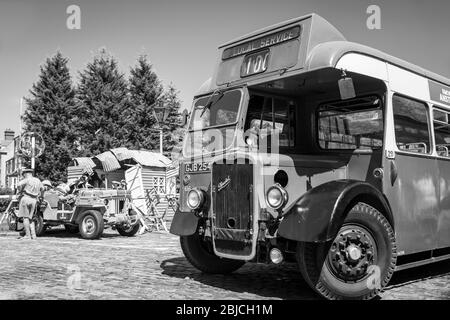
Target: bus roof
x,y
328,54
321,24
321,46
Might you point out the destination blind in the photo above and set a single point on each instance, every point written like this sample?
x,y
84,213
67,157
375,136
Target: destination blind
x,y
262,42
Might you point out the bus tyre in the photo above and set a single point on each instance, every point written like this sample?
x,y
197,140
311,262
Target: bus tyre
x,y
200,256
39,226
358,263
91,224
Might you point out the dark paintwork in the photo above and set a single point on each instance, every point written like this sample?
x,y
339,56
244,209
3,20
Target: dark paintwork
x,y
319,213
233,201
184,223
414,199
443,223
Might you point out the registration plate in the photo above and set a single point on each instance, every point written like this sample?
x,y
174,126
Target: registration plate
x,y
197,167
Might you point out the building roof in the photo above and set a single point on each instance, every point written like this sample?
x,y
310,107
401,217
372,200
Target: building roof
x,y
5,143
86,163
111,160
143,157
151,159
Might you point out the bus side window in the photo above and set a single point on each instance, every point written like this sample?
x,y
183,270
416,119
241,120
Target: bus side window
x,y
355,124
442,132
411,125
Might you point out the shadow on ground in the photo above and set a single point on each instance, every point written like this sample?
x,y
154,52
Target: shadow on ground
x,y
282,282
431,271
60,232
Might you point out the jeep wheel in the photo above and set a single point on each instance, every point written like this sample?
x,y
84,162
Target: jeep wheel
x,y
91,224
200,255
358,263
39,226
72,229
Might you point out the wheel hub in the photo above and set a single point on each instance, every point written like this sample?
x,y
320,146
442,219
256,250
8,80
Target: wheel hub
x,y
352,252
88,225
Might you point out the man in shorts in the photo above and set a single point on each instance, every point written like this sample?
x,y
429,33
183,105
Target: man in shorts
x,y
30,188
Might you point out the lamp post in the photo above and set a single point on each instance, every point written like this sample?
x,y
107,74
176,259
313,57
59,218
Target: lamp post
x,y
31,145
160,112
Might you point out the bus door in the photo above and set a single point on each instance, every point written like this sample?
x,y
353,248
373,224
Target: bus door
x,y
411,176
441,120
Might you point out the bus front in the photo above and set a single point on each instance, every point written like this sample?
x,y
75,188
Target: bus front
x,y
275,138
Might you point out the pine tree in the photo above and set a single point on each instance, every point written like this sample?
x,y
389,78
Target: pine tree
x,y
173,131
49,112
146,90
102,103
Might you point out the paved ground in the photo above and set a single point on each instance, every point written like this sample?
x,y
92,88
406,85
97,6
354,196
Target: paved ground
x,y
151,266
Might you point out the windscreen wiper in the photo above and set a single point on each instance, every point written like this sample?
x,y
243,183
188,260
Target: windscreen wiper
x,y
210,102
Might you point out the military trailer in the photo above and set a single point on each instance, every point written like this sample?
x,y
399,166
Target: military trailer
x,y
305,147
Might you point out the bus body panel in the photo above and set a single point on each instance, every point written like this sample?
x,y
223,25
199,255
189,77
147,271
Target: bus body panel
x,y
414,201
408,83
319,213
443,221
411,182
363,64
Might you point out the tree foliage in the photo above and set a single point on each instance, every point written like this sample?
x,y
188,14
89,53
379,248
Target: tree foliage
x,y
104,111
146,93
102,96
172,128
49,112
146,90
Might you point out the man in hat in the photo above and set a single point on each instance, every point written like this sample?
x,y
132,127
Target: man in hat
x,y
30,188
47,185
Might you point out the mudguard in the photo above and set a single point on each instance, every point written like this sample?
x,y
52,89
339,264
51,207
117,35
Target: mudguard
x,y
76,217
319,214
184,223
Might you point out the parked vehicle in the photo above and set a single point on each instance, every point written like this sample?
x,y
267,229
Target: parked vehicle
x,y
87,211
306,147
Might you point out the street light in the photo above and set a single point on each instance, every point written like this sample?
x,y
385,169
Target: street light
x,y
160,112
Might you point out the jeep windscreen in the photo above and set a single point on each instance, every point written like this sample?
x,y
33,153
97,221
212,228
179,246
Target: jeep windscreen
x,y
213,123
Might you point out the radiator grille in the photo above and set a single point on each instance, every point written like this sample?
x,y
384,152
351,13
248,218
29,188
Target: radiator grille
x,y
232,206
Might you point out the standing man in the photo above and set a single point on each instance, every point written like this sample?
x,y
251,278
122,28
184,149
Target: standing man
x,y
30,188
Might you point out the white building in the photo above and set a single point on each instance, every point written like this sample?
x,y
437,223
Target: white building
x,y
7,153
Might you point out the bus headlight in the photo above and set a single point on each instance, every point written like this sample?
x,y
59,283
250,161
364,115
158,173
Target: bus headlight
x,y
276,197
195,199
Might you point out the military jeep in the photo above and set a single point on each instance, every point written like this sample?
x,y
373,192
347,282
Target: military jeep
x,y
88,212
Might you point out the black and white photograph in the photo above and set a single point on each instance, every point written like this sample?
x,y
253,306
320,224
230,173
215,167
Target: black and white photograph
x,y
226,157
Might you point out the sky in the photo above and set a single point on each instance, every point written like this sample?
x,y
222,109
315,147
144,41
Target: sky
x,y
181,37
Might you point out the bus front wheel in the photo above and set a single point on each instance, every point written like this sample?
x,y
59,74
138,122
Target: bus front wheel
x,y
358,263
200,255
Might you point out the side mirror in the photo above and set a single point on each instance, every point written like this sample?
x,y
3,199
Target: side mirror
x,y
185,117
346,88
